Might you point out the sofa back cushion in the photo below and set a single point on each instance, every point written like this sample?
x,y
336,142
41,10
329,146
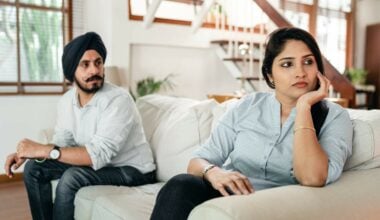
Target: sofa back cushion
x,y
175,127
366,140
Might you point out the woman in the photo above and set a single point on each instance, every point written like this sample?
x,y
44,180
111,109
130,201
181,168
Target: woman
x,y
290,137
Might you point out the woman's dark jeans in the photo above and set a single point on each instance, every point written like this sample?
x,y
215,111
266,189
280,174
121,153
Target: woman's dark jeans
x,y
180,195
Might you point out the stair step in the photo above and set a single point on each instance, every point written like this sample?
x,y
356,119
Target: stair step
x,y
239,59
249,78
224,42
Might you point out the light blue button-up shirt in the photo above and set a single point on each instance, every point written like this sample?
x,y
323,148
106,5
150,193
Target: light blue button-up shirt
x,y
249,139
109,126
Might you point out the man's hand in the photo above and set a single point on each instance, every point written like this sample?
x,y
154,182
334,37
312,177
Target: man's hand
x,y
312,97
30,149
224,181
13,162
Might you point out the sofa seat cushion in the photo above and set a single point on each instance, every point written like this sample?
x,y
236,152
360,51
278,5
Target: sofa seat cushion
x,y
87,197
134,206
354,196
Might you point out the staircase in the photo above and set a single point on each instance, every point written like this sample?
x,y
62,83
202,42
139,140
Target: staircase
x,y
243,65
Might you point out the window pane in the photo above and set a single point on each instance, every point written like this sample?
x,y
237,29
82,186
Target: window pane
x,y
308,2
47,3
333,46
8,44
341,5
298,19
167,10
41,44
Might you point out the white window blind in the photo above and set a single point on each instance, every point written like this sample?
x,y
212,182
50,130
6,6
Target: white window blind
x,y
32,36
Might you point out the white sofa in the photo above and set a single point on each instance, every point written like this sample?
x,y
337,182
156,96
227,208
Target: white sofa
x,y
176,126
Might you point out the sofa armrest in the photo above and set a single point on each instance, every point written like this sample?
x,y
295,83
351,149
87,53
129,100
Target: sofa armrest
x,y
355,196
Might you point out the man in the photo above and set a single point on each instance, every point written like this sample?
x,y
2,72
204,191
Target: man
x,y
98,140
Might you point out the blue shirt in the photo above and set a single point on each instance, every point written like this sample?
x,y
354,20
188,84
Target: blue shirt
x,y
249,139
109,126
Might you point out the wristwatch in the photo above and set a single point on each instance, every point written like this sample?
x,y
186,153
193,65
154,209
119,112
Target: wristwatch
x,y
55,153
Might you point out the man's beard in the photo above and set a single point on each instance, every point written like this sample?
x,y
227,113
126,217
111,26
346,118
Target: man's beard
x,y
94,88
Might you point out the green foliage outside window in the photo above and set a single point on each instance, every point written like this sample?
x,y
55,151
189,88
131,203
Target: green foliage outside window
x,y
40,37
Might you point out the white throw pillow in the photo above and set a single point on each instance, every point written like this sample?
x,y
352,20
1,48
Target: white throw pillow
x,y
366,140
219,110
175,127
153,108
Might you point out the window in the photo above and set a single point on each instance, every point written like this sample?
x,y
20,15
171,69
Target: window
x,y
330,22
32,36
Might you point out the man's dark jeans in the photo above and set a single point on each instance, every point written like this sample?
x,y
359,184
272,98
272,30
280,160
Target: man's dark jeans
x,y
37,177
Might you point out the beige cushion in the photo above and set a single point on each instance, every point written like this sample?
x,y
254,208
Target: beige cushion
x,y
87,198
182,126
366,140
153,108
137,207
219,110
354,196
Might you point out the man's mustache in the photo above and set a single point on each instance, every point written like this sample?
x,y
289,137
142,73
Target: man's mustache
x,y
92,78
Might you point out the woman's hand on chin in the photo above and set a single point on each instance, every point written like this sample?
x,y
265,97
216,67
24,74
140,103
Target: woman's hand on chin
x,y
312,97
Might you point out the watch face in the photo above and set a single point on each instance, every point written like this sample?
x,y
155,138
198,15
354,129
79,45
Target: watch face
x,y
54,154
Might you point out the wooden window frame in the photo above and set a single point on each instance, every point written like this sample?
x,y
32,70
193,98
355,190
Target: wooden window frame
x,y
67,27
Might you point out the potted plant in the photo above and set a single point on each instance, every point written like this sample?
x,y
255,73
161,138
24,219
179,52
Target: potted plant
x,y
356,75
151,85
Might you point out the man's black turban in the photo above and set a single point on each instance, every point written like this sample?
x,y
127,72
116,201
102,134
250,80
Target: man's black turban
x,y
73,52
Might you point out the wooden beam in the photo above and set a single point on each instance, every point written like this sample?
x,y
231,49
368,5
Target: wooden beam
x,y
150,13
191,2
198,20
273,14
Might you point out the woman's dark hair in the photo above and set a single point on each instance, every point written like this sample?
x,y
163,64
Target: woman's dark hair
x,y
275,45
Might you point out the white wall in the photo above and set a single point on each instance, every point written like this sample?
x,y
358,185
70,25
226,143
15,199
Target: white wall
x,y
197,71
367,13
23,117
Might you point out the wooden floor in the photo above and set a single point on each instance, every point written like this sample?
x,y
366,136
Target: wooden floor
x,y
14,202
